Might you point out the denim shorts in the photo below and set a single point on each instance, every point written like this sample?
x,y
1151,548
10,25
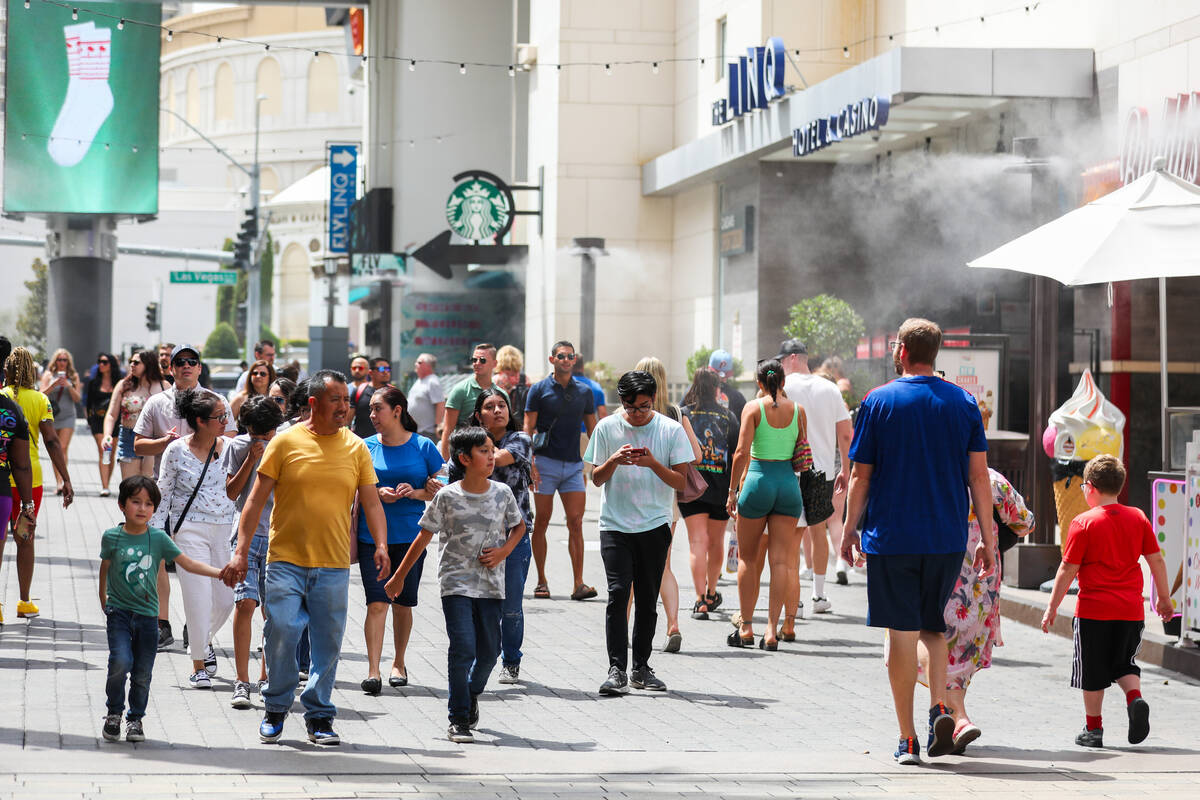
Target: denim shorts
x,y
125,446
558,476
251,587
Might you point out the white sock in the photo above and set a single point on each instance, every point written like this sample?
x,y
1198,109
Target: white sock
x,y
818,585
89,99
842,565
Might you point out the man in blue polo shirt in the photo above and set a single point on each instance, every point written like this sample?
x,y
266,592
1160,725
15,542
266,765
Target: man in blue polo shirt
x,y
554,409
920,459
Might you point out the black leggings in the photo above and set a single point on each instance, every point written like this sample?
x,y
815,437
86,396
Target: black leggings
x,y
637,559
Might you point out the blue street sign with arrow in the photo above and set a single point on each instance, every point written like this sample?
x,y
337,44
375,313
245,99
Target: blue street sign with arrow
x,y
343,169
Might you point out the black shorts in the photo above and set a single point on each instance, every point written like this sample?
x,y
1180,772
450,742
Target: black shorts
x,y
713,510
373,586
910,592
1105,650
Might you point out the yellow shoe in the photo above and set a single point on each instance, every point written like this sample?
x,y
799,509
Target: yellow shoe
x,y
1,613
26,609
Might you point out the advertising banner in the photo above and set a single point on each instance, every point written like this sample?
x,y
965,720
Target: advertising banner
x,y
448,325
81,102
978,371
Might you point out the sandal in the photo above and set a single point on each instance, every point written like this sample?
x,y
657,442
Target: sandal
x,y
584,592
735,639
700,610
713,600
541,592
787,637
763,644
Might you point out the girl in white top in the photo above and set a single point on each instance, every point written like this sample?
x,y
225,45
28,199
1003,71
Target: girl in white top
x,y
201,530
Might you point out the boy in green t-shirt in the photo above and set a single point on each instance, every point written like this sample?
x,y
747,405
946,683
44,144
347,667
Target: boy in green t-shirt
x,y
130,555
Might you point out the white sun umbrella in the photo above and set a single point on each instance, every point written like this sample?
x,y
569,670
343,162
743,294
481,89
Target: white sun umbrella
x,y
1147,229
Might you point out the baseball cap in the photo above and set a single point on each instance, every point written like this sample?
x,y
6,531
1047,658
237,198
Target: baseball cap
x,y
721,361
184,348
792,347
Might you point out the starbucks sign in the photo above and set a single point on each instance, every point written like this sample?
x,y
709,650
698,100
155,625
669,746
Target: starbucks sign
x,y
480,208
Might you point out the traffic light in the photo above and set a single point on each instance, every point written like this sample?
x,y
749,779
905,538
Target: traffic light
x,y
152,321
244,245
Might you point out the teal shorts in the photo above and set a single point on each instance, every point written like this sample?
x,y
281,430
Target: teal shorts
x,y
770,488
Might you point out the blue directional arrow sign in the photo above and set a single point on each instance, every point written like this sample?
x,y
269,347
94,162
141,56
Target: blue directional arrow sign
x,y
343,168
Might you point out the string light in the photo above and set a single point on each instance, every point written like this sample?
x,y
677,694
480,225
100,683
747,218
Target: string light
x,y
412,142
170,35
702,63
121,24
462,69
845,52
26,5
412,65
654,67
74,13
219,40
266,47
511,72
608,69
316,54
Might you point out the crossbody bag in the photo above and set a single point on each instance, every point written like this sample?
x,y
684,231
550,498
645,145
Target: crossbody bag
x,y
187,507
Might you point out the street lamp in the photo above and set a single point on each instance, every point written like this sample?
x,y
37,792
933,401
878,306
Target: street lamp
x,y
253,293
587,248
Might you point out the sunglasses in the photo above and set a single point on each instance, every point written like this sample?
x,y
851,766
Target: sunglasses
x,y
566,356
383,369
479,360
103,362
219,418
186,362
258,374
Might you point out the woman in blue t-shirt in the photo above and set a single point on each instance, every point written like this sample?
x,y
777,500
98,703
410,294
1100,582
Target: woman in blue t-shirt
x,y
406,465
514,460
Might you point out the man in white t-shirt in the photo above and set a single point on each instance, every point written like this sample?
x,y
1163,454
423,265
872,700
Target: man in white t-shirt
x,y
829,433
427,399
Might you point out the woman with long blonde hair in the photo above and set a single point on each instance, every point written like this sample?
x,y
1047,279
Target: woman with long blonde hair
x,y
19,380
669,589
60,382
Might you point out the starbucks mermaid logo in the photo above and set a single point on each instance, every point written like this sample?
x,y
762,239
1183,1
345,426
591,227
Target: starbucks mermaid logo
x,y
479,210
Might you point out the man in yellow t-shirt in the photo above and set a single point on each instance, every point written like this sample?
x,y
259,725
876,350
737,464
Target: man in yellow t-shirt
x,y
314,468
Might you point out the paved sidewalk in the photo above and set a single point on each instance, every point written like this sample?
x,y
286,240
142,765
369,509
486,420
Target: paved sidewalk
x,y
813,719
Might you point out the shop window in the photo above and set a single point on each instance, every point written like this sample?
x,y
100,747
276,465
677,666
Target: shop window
x,y
223,93
322,86
270,83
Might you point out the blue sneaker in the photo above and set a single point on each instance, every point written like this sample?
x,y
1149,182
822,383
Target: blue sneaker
x,y
909,751
271,728
320,731
941,731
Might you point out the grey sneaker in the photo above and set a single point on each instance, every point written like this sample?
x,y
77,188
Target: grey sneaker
x,y
509,673
200,680
1090,738
644,678
241,695
616,684
133,731
210,660
112,728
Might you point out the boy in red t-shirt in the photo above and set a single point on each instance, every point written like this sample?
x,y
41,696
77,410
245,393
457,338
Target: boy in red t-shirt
x,y
1102,547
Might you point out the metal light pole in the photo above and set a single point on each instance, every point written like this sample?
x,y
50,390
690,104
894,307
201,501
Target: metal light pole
x,y
253,292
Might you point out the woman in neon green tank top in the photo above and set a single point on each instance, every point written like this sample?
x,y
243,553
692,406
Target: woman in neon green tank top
x,y
769,502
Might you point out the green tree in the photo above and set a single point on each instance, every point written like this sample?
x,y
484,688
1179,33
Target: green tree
x,y
225,294
828,326
222,342
700,358
31,321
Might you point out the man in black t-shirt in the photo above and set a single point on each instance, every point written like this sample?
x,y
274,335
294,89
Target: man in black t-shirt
x,y
360,397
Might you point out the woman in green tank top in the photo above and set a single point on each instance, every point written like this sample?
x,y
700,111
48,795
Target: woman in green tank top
x,y
768,503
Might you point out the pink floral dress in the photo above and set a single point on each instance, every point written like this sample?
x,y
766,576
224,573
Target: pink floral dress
x,y
973,612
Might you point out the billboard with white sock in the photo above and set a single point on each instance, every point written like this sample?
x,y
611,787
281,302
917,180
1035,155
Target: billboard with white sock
x,y
81,122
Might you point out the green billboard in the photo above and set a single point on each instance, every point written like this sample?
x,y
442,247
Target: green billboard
x,y
81,103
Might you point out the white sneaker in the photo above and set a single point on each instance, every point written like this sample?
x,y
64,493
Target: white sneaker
x,y
821,605
210,660
806,575
200,680
509,674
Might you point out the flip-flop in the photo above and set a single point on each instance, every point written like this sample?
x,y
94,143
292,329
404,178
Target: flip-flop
x,y
584,592
541,592
763,644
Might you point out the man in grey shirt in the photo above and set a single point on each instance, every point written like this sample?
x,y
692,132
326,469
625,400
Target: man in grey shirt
x,y
426,399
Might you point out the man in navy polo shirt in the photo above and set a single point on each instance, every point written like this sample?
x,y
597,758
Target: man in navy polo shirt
x,y
920,459
554,409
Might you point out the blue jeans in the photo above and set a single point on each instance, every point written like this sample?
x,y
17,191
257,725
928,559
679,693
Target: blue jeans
x,y
473,627
297,598
512,621
132,644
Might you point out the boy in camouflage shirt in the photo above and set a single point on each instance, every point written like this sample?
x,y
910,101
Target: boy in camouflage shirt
x,y
479,523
